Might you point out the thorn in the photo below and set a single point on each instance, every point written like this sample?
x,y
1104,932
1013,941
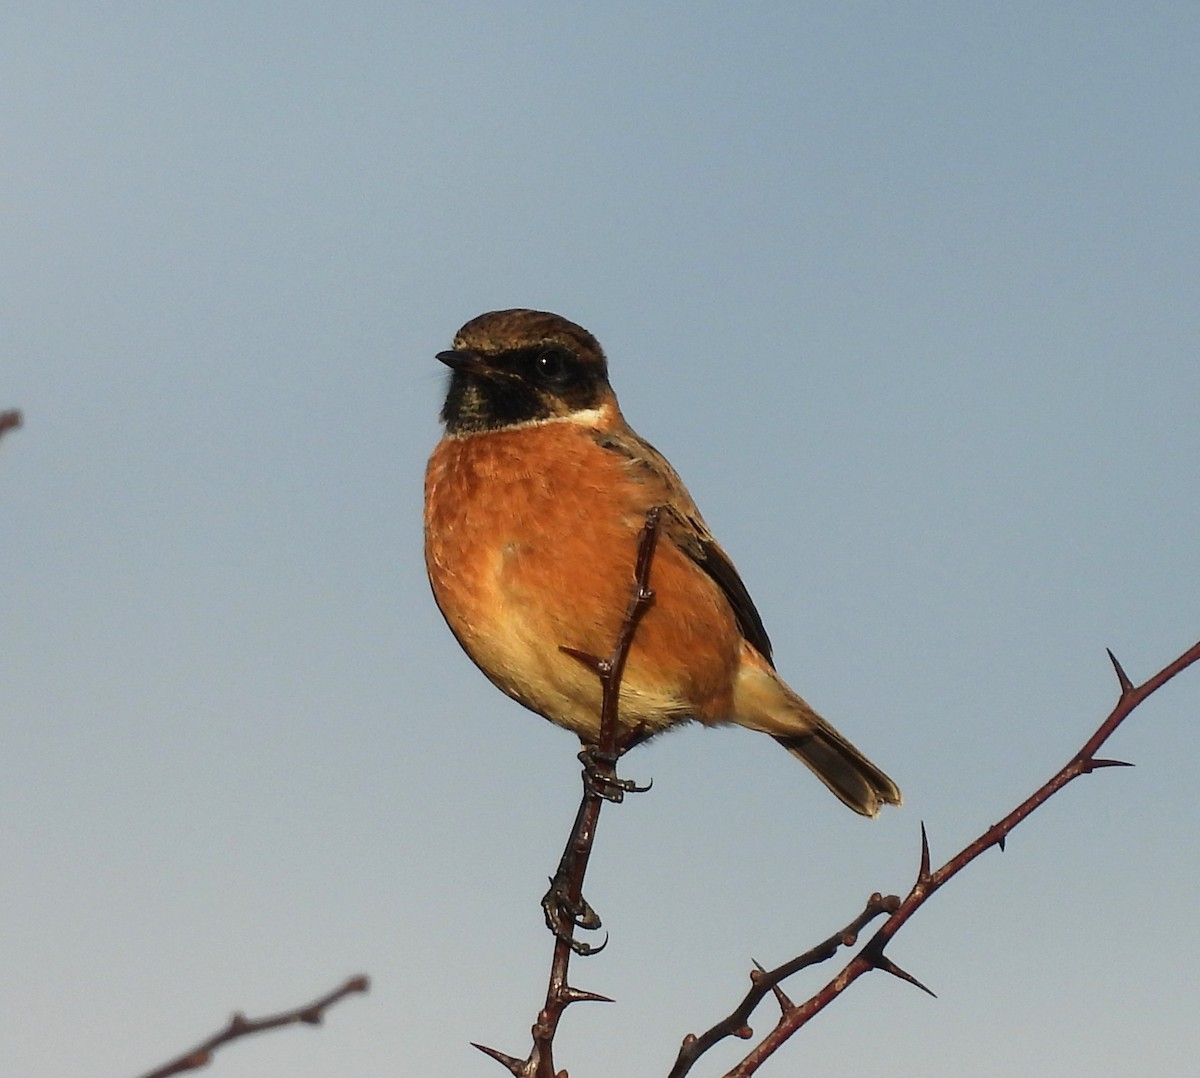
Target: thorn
x,y
1122,677
1001,841
514,1066
580,995
781,997
1093,765
884,963
923,871
599,667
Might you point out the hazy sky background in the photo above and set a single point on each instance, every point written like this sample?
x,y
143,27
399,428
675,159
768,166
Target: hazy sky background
x,y
908,293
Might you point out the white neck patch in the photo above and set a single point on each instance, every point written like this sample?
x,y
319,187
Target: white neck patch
x,y
585,417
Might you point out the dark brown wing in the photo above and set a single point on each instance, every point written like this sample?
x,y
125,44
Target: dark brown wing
x,y
716,563
685,527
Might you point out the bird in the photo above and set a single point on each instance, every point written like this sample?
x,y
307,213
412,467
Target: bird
x,y
535,497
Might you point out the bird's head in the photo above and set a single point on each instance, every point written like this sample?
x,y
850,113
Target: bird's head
x,y
520,367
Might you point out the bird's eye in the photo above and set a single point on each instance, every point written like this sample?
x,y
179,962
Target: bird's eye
x,y
553,367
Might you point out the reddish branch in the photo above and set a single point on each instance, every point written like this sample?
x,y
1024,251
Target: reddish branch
x,y
871,956
241,1026
9,421
565,904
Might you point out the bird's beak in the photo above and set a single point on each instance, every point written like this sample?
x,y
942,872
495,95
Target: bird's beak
x,y
467,362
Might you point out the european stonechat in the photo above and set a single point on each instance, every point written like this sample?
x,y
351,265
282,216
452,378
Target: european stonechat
x,y
534,500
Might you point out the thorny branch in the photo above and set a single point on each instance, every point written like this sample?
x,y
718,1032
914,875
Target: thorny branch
x,y
564,904
871,956
241,1026
736,1023
566,909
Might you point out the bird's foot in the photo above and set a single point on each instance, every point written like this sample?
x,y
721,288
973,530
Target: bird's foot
x,y
564,914
600,775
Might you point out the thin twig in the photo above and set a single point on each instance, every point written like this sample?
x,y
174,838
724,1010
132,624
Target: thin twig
x,y
241,1026
573,866
9,420
871,956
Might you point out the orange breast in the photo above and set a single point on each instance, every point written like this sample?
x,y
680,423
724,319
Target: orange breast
x,y
530,542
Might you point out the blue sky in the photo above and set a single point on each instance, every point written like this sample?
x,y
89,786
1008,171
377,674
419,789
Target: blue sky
x,y
908,295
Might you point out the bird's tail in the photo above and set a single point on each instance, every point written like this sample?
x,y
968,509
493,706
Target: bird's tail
x,y
763,702
845,770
